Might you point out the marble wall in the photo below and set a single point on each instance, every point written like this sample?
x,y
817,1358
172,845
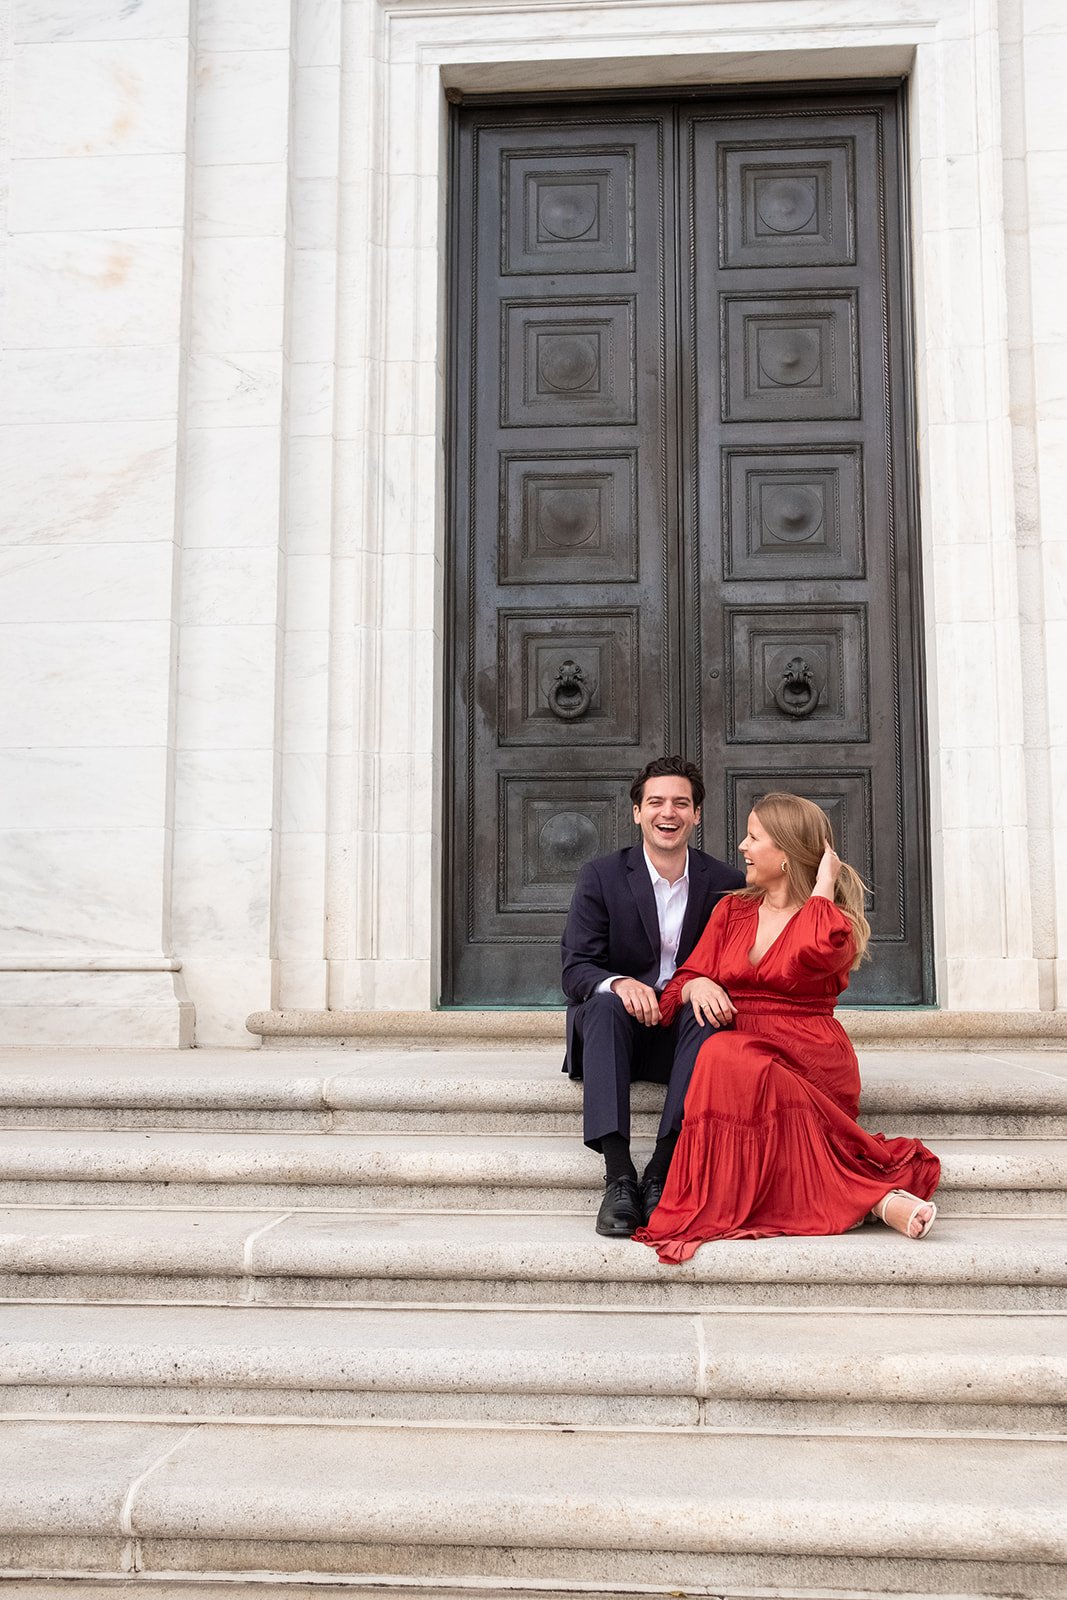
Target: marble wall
x,y
94,153
222,434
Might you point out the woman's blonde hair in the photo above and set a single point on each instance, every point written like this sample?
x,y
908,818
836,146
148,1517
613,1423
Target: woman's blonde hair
x,y
801,830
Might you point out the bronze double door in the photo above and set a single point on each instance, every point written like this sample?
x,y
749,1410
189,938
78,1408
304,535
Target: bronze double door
x,y
681,504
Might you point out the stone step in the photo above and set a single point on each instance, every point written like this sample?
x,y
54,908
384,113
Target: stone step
x,y
683,1509
421,1171
727,1369
279,1586
1020,1094
513,1258
489,1027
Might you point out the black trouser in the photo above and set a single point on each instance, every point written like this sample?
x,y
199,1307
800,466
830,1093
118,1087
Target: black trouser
x,y
616,1051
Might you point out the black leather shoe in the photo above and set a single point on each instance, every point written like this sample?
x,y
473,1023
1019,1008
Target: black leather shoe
x,y
620,1210
651,1195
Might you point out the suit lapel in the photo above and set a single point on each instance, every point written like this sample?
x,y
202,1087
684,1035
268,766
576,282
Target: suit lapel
x,y
641,888
696,913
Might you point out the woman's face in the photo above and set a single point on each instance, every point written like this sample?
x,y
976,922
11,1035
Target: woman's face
x,y
762,857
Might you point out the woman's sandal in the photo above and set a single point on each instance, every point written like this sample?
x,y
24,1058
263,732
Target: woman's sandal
x,y
902,1194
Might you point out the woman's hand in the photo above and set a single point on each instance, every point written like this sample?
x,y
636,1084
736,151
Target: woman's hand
x,y
826,877
709,1002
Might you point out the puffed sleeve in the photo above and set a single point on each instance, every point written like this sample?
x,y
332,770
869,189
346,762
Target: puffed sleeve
x,y
821,940
702,963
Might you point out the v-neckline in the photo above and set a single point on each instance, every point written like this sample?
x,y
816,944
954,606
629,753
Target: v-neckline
x,y
785,926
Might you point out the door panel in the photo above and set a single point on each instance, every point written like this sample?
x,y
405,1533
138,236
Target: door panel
x,y
680,508
566,552
805,672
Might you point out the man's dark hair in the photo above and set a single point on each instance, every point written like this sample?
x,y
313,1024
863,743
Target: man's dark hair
x,y
669,767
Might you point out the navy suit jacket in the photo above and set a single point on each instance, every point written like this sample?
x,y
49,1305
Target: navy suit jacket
x,y
613,930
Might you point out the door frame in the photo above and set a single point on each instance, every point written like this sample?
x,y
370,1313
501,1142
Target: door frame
x,y
381,878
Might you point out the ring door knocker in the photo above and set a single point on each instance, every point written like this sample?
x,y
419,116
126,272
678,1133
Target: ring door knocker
x,y
797,693
570,696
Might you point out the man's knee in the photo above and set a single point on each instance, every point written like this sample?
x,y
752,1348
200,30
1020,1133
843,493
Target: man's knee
x,y
604,1009
689,1032
607,1032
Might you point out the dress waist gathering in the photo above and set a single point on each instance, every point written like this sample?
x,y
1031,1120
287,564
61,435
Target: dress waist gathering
x,y
779,1006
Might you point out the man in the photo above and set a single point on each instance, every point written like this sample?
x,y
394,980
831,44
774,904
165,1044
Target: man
x,y
634,918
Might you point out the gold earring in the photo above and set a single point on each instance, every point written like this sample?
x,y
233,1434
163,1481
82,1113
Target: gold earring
x,y
785,866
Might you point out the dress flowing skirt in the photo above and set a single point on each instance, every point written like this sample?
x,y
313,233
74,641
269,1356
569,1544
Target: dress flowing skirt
x,y
768,1146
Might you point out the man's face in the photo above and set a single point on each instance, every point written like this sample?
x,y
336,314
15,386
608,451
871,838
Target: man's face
x,y
667,815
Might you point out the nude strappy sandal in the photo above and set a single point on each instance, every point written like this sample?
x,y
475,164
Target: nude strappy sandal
x,y
903,1194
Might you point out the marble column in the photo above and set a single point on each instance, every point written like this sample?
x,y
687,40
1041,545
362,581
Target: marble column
x,y
1042,64
230,515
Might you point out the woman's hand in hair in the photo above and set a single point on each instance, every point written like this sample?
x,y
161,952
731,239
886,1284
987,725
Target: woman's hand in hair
x,y
827,875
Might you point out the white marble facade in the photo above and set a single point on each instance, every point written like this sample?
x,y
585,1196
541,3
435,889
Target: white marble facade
x,y
221,426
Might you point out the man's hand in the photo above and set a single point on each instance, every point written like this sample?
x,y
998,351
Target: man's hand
x,y
640,1001
709,1002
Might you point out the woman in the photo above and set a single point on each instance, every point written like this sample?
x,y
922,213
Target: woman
x,y
770,1144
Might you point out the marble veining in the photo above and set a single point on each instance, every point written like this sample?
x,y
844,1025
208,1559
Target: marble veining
x,y
242,106
236,25
86,583
104,906
230,201
67,21
70,683
79,193
239,288
231,486
226,687
118,786
71,483
234,390
94,288
99,99
89,385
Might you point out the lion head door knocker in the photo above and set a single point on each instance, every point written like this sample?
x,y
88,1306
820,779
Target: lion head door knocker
x,y
570,695
796,692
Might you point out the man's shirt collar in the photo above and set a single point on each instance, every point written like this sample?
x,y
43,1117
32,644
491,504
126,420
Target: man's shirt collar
x,y
657,876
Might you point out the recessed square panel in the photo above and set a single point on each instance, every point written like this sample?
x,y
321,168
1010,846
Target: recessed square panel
x,y
567,680
797,676
568,210
845,796
551,827
568,363
789,357
787,205
793,513
568,518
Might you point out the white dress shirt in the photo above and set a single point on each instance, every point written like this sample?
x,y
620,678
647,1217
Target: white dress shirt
x,y
671,902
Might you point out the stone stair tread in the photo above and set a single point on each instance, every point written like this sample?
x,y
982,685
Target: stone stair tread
x,y
889,1356
283,1587
556,1247
694,1491
486,1245
529,1160
521,1079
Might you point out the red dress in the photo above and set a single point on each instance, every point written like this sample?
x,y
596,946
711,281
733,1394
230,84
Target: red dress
x,y
769,1143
